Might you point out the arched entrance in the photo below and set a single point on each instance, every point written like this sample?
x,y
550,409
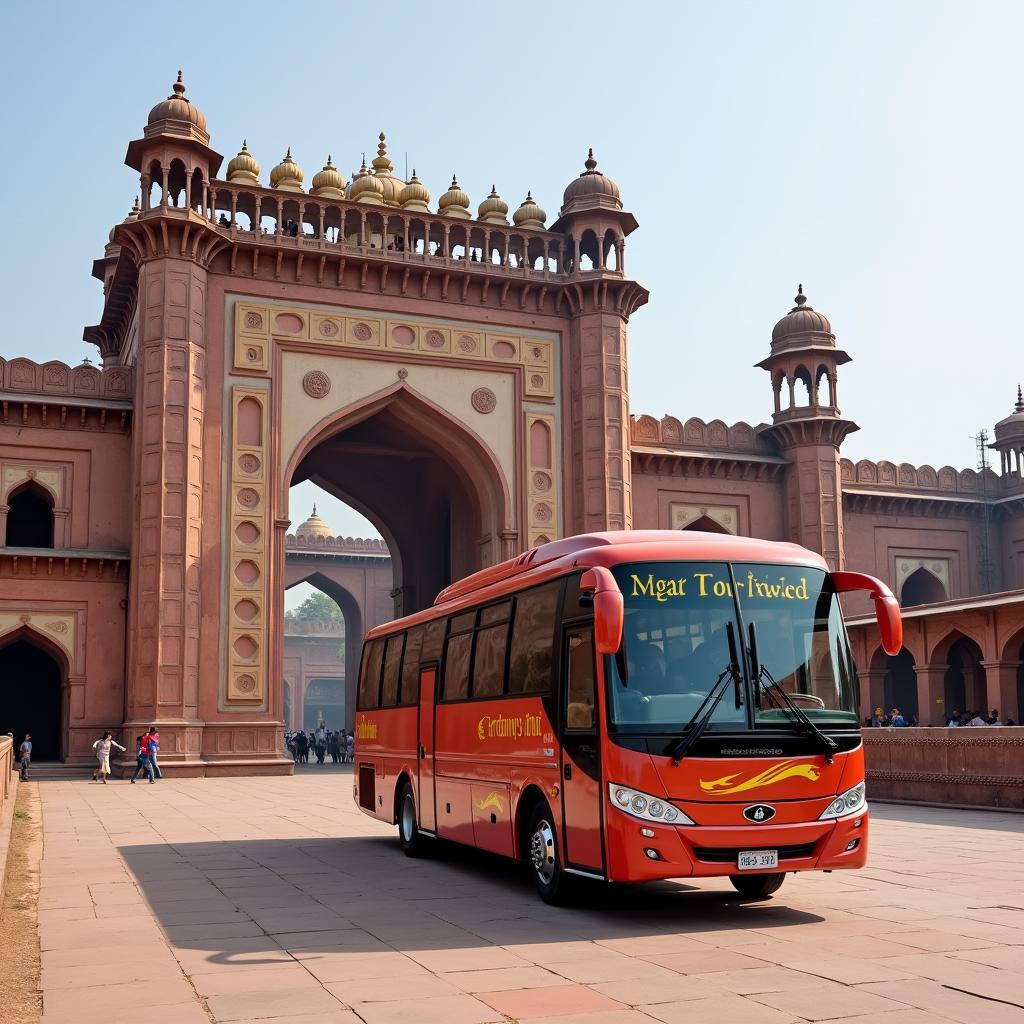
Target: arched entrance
x,y
901,685
431,488
31,684
922,587
30,517
965,677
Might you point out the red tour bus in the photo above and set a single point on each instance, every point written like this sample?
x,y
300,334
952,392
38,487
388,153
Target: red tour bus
x,y
627,707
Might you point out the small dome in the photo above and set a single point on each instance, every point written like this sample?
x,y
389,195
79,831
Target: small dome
x,y
243,169
366,187
801,319
529,214
455,202
591,189
415,195
287,175
314,526
329,182
494,209
1012,428
385,172
177,108
133,214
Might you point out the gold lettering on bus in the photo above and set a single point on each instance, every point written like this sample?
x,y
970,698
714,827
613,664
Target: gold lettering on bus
x,y
365,729
709,584
512,727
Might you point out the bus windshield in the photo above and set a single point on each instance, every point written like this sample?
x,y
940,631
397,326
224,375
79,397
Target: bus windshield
x,y
675,647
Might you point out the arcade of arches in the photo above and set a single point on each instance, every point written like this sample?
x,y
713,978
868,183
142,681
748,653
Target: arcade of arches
x,y
459,376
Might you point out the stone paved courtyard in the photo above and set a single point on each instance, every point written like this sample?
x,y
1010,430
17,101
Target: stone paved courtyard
x,y
274,900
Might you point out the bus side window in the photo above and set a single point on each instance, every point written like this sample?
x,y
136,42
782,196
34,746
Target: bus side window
x,y
369,679
433,640
409,692
392,667
456,667
533,630
580,698
489,659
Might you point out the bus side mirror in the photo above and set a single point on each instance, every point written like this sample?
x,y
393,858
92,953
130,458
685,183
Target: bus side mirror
x,y
887,608
609,608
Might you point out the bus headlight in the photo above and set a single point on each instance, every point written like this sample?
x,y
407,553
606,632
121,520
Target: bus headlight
x,y
849,802
645,807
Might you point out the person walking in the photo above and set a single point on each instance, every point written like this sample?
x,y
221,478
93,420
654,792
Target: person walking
x,y
142,759
154,749
102,748
350,747
25,751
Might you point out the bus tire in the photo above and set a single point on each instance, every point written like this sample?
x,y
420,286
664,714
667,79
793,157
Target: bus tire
x,y
757,887
410,838
543,858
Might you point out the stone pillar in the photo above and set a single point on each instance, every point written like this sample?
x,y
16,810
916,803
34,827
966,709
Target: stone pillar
x,y
931,690
872,692
1001,680
167,463
814,506
600,424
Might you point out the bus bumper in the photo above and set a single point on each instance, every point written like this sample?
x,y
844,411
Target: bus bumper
x,y
698,851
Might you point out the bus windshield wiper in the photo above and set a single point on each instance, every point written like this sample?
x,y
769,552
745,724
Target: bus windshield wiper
x,y
694,729
764,679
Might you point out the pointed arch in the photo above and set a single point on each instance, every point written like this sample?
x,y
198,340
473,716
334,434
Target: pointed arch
x,y
922,586
30,519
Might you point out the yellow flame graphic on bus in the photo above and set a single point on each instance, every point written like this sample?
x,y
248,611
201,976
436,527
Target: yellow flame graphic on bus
x,y
489,801
777,773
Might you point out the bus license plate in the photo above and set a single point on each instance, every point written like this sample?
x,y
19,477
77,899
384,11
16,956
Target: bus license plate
x,y
758,860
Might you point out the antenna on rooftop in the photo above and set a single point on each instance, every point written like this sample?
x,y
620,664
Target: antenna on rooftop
x,y
985,569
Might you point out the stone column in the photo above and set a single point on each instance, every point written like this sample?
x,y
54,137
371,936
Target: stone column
x,y
1001,679
814,507
931,690
872,692
599,407
167,464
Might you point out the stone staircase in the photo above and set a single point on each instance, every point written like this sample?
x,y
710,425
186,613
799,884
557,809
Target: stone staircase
x,y
57,771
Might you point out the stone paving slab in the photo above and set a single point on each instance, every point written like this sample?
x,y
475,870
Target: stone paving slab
x,y
275,901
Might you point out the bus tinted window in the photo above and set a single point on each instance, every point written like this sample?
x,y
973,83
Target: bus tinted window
x,y
489,661
580,699
456,667
495,613
462,622
369,680
533,627
433,640
409,692
392,667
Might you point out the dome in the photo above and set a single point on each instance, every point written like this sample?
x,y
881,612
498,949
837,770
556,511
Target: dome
x,y
801,319
366,187
133,214
529,214
415,195
287,175
1012,428
494,209
243,169
329,182
591,189
177,108
385,173
455,202
314,526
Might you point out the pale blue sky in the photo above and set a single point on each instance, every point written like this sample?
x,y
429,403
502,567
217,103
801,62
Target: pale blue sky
x,y
872,151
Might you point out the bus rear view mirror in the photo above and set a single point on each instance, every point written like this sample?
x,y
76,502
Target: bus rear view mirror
x,y
609,608
887,608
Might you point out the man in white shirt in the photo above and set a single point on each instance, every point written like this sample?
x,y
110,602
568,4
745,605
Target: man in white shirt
x,y
977,720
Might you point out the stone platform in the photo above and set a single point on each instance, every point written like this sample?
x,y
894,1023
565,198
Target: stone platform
x,y
275,900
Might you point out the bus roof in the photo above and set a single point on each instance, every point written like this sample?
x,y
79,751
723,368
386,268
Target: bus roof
x,y
611,548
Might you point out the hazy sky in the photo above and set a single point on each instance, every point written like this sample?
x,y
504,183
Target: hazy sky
x,y
872,151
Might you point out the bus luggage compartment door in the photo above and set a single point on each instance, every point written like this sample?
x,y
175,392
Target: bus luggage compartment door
x,y
581,762
425,751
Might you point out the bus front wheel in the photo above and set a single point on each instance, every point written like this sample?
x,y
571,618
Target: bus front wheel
x,y
757,887
409,835
542,856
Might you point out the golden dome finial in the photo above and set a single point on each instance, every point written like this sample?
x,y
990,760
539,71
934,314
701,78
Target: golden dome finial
x,y
328,183
243,169
455,202
287,175
381,162
494,209
178,87
529,215
415,195
366,187
385,172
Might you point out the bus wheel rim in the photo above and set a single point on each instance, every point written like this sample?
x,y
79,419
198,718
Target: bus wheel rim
x,y
542,852
408,819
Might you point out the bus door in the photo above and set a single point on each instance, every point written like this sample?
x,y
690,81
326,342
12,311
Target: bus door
x,y
581,767
425,749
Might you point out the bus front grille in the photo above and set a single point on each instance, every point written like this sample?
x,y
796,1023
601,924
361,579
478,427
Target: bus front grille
x,y
727,855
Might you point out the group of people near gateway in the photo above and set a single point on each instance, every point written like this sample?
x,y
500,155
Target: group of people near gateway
x,y
322,743
896,719
147,746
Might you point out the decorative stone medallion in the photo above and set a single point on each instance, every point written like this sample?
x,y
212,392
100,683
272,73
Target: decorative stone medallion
x,y
316,384
483,400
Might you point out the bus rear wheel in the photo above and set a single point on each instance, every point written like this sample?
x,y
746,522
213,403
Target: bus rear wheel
x,y
543,858
757,887
410,838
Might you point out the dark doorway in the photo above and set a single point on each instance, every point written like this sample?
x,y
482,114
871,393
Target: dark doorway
x,y
922,587
324,704
30,698
706,524
965,678
901,685
29,519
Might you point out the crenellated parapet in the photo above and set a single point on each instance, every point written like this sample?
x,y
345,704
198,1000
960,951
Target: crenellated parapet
x,y
904,476
360,546
697,434
23,376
